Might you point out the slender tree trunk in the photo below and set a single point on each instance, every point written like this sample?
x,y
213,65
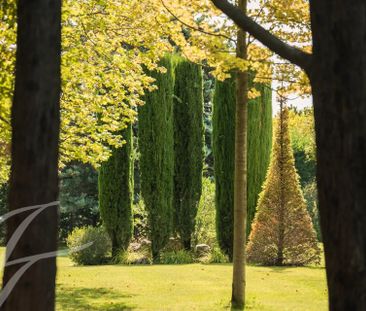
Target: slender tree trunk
x,y
338,81
281,226
240,177
35,135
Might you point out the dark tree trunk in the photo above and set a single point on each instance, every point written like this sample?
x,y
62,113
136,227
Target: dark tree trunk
x,y
338,78
35,130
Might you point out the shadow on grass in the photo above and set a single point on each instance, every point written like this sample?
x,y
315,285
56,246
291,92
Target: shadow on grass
x,y
98,299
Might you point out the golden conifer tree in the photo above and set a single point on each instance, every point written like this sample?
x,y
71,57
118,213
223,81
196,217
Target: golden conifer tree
x,y
282,232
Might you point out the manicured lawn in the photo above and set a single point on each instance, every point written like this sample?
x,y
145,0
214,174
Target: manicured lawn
x,y
186,287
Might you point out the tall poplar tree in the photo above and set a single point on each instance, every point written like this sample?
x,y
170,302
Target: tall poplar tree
x,y
282,232
157,156
188,147
116,193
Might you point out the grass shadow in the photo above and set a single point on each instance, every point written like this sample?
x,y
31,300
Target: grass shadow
x,y
98,299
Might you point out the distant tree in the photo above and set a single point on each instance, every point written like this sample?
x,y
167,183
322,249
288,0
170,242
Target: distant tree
x,y
282,231
259,150
157,156
116,194
188,147
78,197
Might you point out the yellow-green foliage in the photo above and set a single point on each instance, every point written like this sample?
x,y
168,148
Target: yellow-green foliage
x,y
96,253
282,231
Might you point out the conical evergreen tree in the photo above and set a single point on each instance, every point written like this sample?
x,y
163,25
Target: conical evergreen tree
x,y
157,156
282,231
116,192
188,147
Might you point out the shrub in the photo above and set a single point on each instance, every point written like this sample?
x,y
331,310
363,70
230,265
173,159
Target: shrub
x,y
217,256
205,229
176,257
132,258
94,254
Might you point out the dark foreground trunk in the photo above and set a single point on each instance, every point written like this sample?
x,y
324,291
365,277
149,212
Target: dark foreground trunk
x,y
338,79
35,130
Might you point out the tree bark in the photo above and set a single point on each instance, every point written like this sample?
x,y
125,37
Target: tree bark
x,y
240,175
35,135
338,79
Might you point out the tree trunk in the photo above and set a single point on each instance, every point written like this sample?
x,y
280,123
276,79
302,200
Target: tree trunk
x,y
240,176
338,79
35,135
281,216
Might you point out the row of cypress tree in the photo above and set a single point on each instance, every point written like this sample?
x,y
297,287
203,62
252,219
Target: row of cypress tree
x,y
170,139
259,150
170,134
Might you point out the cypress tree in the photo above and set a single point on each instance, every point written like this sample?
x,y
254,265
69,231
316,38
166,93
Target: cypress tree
x,y
188,147
259,146
157,156
259,149
282,231
116,194
223,144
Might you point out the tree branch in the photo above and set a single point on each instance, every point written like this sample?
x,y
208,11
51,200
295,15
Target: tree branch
x,y
292,54
195,28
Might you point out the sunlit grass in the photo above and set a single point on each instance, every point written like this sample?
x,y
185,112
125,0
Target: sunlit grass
x,y
186,287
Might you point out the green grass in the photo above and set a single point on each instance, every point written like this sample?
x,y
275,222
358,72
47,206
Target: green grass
x,y
186,287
